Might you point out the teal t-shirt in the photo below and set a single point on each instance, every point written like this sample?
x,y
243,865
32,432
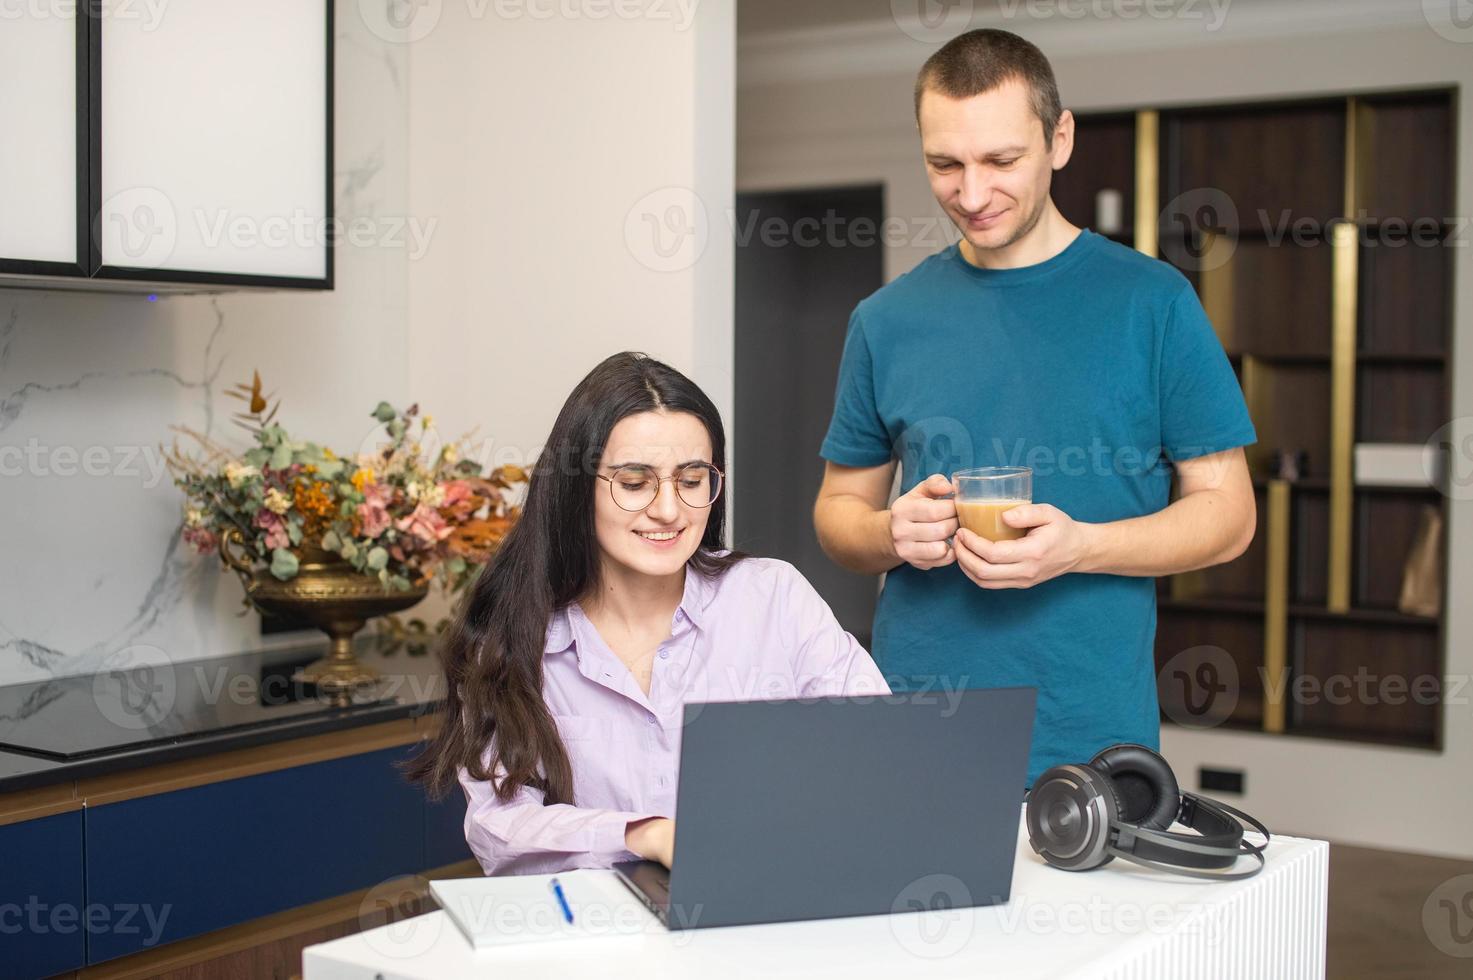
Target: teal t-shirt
x,y
1096,368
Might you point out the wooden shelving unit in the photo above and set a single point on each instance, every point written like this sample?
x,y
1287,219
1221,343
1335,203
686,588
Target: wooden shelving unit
x,y
1327,278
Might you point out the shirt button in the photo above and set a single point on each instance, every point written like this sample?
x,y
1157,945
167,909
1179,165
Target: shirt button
x,y
650,720
664,654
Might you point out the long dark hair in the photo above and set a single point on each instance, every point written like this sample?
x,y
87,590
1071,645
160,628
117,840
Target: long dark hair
x,y
492,654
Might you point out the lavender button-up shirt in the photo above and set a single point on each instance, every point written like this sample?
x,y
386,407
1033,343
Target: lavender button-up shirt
x,y
757,632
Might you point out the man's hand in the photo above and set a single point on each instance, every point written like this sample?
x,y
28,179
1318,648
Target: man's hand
x,y
653,839
921,522
1054,545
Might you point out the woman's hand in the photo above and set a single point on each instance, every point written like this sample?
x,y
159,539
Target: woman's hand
x,y
653,839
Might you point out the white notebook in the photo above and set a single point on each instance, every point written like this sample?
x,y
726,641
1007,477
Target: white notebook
x,y
524,909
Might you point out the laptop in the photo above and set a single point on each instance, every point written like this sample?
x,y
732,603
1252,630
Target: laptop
x,y
816,809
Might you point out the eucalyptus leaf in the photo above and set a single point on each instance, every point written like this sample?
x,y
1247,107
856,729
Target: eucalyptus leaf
x,y
329,468
331,541
294,532
396,428
378,559
281,457
385,412
283,564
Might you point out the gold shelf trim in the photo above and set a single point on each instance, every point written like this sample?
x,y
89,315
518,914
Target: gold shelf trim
x,y
1147,181
1276,608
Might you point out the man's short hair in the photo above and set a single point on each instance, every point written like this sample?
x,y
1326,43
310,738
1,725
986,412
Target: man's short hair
x,y
980,61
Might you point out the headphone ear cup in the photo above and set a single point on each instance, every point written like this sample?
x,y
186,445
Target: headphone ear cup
x,y
1145,788
1070,815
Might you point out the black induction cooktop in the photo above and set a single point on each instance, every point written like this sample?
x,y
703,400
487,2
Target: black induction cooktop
x,y
136,701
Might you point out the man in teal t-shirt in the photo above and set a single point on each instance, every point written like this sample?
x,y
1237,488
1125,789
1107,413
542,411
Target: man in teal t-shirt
x,y
1030,343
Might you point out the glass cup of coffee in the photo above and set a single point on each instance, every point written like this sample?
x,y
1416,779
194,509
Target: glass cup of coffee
x,y
984,495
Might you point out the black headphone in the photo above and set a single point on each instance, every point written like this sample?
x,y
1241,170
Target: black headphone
x,y
1120,805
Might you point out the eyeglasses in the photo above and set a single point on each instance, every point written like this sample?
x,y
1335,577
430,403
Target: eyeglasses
x,y
634,488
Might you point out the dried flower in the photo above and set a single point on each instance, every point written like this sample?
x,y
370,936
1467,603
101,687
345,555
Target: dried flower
x,y
277,502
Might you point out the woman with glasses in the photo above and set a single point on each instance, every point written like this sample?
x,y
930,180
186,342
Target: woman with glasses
x,y
611,604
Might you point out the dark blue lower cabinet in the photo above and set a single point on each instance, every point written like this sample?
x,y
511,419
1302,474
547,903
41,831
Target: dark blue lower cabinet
x,y
445,831
43,916
207,857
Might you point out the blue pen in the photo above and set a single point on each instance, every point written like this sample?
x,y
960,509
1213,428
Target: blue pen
x,y
562,900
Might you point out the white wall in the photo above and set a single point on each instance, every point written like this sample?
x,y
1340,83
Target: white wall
x,y
547,150
834,107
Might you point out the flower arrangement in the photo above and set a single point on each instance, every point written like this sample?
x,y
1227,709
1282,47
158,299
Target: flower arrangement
x,y
405,513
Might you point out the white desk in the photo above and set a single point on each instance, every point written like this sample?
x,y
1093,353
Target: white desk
x,y
1120,921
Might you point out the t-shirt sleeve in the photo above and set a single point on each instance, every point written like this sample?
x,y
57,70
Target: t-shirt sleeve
x,y
1202,407
857,435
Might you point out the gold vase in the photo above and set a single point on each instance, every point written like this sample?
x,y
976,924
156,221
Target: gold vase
x,y
328,593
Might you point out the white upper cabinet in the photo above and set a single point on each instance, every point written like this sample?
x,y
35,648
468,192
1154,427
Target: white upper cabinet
x,y
205,136
40,169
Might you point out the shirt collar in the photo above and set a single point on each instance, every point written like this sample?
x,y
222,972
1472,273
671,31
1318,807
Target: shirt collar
x,y
698,593
699,590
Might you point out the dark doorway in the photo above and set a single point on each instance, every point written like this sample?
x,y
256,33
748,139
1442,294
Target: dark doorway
x,y
804,259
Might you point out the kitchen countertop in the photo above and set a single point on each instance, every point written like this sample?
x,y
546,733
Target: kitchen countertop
x,y
145,714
